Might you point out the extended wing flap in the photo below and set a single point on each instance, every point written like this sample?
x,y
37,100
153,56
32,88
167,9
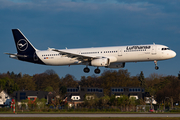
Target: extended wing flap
x,y
79,57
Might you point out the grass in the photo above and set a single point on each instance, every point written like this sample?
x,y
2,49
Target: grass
x,y
81,112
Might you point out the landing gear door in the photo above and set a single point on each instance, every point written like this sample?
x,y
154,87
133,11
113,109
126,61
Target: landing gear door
x,y
153,50
119,52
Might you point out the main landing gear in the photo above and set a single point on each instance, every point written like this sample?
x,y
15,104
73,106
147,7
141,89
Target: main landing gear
x,y
86,69
97,70
156,67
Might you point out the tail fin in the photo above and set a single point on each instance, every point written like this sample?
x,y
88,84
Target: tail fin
x,y
26,51
23,46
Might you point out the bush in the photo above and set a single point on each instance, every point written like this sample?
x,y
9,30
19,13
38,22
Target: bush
x,y
114,110
44,110
5,109
178,110
85,109
63,110
70,110
49,110
55,110
92,110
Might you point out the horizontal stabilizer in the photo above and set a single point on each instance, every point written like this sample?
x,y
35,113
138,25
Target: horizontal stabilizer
x,y
16,55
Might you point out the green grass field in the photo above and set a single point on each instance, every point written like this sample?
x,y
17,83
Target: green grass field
x,y
80,112
77,118
89,118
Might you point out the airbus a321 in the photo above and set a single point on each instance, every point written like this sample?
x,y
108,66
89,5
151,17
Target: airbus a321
x,y
109,57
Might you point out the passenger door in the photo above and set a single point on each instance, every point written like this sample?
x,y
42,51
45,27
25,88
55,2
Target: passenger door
x,y
119,52
153,50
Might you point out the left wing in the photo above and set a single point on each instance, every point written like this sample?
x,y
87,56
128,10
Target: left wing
x,y
76,56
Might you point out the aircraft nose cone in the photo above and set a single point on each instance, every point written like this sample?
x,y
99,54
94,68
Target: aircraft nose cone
x,y
173,54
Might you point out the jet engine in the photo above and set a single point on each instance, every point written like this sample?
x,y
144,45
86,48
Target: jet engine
x,y
100,62
116,65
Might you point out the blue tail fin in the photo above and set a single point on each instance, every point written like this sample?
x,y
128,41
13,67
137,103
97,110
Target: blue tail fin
x,y
23,46
26,51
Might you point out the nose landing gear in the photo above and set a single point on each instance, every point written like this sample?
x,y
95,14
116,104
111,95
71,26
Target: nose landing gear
x,y
156,67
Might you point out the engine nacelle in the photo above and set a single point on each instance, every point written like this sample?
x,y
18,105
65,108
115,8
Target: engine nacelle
x,y
116,65
100,62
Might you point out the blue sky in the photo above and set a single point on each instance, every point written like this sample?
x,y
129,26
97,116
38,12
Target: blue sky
x,y
90,23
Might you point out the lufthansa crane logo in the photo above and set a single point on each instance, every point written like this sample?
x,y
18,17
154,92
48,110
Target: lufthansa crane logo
x,y
22,45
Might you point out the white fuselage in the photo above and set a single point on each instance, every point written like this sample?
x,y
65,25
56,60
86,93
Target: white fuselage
x,y
118,54
109,57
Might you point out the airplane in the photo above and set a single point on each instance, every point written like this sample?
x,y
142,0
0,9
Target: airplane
x,y
109,57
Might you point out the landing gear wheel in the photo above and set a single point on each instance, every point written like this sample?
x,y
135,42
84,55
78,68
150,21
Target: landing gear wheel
x,y
156,67
97,71
86,69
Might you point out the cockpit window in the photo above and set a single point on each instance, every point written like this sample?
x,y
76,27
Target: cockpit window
x,y
165,48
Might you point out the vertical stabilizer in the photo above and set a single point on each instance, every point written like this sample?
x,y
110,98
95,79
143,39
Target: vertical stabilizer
x,y
25,50
23,45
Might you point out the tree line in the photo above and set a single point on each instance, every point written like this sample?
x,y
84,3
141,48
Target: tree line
x,y
163,88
